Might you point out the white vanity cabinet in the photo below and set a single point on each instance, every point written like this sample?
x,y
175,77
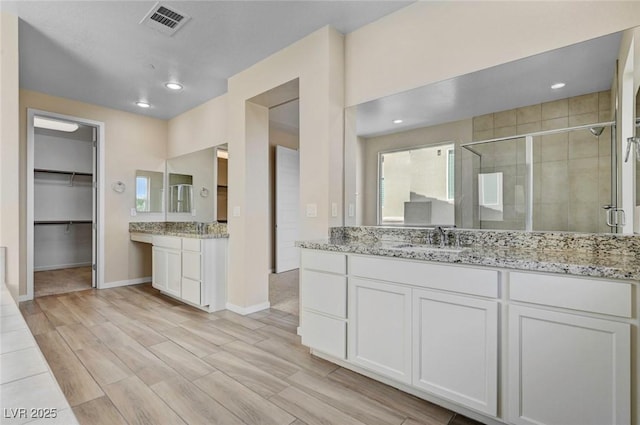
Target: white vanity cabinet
x,y
167,267
455,352
191,269
431,326
380,327
323,294
568,367
512,347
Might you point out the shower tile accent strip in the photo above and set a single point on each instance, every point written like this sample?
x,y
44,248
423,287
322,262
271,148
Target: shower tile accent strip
x,y
593,255
185,229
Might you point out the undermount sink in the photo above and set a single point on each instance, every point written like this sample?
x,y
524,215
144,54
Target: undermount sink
x,y
429,248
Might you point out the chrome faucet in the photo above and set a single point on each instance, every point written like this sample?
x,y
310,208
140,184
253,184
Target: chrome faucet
x,y
442,236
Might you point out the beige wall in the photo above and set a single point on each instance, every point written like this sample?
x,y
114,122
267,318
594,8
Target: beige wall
x,y
457,132
131,142
317,60
9,150
433,41
201,127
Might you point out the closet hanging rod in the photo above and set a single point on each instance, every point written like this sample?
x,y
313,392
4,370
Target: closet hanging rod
x,y
44,170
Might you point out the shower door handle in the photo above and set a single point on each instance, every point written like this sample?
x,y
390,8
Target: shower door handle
x,y
615,216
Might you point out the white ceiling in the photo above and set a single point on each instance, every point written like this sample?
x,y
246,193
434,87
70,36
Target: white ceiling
x,y
97,52
585,68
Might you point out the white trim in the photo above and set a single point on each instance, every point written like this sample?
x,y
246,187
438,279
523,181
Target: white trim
x,y
61,266
100,171
118,283
248,310
23,298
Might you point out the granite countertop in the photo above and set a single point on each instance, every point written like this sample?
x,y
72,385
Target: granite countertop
x,y
182,234
214,230
575,263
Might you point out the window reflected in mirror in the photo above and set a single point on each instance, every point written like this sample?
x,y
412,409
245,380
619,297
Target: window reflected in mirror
x,y
417,187
149,191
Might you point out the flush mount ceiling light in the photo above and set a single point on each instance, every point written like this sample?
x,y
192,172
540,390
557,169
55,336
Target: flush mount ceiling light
x,y
173,86
143,104
557,86
397,121
52,124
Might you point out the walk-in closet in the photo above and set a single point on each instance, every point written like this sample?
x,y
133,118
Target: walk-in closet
x,y
63,206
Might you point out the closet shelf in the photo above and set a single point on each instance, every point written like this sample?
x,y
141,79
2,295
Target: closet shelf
x,y
71,174
62,221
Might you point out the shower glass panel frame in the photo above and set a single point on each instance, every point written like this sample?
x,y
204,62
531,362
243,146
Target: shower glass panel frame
x,y
519,187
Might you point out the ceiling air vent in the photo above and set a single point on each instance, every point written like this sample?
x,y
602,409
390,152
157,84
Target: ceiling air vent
x,y
165,19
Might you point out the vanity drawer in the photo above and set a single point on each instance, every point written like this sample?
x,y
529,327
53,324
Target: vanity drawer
x,y
323,292
172,242
323,261
190,291
596,296
324,333
191,244
464,280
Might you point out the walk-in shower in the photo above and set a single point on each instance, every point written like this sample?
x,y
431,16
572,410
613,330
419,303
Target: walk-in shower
x,y
562,179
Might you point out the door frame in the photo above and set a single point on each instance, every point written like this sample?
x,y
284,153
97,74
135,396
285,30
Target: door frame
x,y
98,190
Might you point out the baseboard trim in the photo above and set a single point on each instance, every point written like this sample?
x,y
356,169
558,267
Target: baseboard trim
x,y
60,266
118,283
248,310
23,298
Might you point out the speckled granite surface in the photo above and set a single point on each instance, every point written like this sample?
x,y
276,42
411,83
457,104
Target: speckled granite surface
x,y
183,229
594,255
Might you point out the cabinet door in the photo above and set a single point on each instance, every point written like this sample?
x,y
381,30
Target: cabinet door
x,y
380,328
566,369
174,272
159,278
455,353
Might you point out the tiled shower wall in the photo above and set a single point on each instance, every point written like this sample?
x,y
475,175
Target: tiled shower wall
x,y
572,170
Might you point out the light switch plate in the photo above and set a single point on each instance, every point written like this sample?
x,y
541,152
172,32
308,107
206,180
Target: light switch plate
x,y
236,211
352,210
334,209
133,212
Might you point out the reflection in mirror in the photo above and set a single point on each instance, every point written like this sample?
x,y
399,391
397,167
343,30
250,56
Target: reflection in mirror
x,y
191,178
417,186
180,193
149,191
558,180
222,158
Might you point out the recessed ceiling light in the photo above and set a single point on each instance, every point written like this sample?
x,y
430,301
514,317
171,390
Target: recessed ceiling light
x,y
397,121
52,124
143,104
173,86
557,86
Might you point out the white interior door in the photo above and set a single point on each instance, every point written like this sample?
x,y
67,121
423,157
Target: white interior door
x,y
287,208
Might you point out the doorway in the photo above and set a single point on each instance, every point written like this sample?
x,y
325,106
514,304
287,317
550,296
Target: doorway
x,y
64,203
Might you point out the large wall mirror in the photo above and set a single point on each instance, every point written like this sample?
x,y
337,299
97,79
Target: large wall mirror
x,y
149,191
526,145
197,186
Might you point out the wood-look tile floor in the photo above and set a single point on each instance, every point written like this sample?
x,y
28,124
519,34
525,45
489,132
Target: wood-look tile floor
x,y
61,281
130,355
